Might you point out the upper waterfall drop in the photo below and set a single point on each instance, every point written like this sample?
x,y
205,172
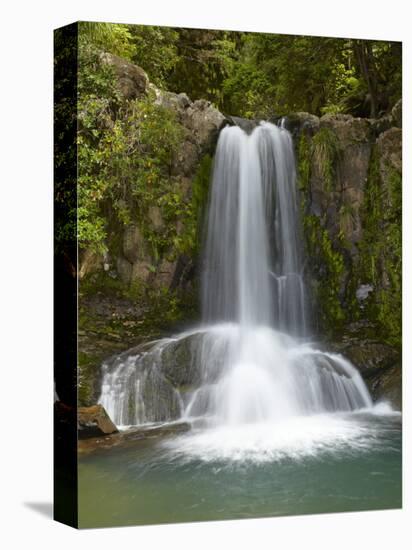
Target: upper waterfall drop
x,y
253,202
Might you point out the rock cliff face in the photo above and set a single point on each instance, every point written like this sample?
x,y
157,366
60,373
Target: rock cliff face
x,y
349,176
133,261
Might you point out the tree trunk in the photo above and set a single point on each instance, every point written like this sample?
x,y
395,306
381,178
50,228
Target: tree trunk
x,y
364,56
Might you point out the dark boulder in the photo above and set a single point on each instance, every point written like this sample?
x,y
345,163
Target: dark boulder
x,y
132,81
246,124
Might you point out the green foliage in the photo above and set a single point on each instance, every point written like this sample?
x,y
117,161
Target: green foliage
x,y
155,50
200,189
204,61
321,150
280,74
126,153
379,83
97,105
168,306
326,254
328,263
109,37
346,218
248,92
325,153
304,161
379,259
65,126
125,156
258,75
381,249
86,379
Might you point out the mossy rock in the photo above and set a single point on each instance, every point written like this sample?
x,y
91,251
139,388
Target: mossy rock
x,y
180,362
388,386
371,357
89,378
378,362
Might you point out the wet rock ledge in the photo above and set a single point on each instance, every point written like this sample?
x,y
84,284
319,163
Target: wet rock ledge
x,y
96,431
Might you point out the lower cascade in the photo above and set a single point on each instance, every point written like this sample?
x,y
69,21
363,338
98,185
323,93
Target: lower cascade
x,y
250,362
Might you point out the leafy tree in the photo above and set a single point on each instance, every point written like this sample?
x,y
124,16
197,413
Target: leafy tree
x,y
204,60
155,50
257,74
65,126
110,37
125,156
277,74
379,68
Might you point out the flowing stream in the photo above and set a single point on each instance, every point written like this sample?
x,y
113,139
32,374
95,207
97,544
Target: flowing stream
x,y
248,380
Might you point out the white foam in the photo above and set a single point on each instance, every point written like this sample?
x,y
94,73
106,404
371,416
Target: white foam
x,y
384,408
295,438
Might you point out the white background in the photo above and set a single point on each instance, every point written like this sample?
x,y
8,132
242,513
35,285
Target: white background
x,y
26,271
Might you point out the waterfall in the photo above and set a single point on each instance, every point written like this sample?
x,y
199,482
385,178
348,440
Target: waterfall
x,y
248,363
252,259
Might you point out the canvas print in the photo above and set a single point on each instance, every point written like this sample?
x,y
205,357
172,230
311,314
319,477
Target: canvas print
x,y
228,274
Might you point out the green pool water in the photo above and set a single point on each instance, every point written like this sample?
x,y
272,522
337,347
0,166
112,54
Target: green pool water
x,y
324,464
